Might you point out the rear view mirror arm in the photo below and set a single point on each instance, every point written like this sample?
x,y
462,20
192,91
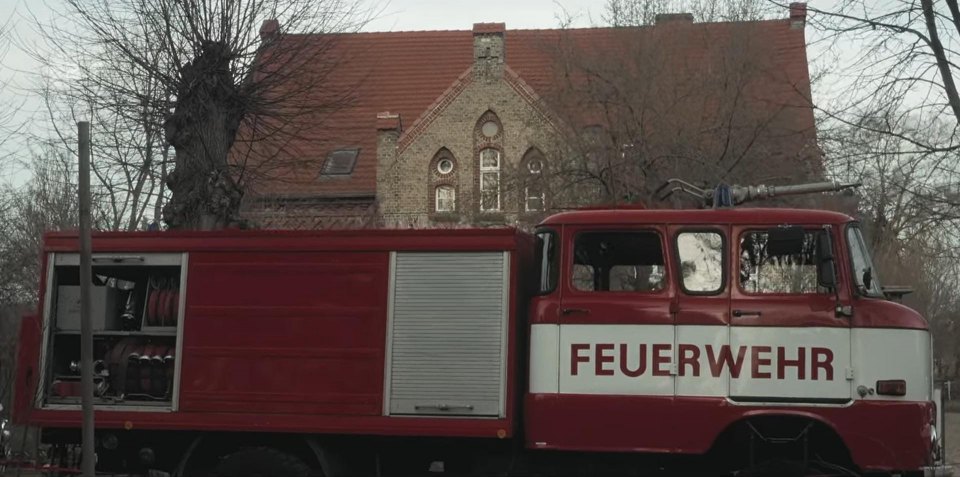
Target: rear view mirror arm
x,y
826,256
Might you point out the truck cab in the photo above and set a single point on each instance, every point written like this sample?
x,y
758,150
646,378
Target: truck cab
x,y
672,331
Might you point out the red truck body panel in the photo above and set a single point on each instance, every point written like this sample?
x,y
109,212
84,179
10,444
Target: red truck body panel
x,y
286,332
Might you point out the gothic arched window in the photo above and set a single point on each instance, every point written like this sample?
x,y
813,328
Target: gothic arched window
x,y
532,169
488,139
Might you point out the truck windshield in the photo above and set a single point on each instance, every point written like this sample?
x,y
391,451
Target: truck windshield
x,y
864,273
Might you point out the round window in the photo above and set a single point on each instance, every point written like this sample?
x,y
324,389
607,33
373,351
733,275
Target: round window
x,y
535,166
490,128
444,166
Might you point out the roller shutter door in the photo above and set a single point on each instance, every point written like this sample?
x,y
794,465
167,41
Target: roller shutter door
x,y
448,333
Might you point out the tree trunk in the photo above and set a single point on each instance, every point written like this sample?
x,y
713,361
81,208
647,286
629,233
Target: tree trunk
x,y
201,130
943,64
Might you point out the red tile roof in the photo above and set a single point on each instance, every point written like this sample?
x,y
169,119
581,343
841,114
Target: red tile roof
x,y
405,73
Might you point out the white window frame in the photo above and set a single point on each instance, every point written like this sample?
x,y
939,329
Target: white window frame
x,y
453,198
526,202
531,162
534,175
440,166
490,170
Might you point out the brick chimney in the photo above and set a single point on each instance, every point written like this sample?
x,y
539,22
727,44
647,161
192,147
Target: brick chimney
x,y
798,15
387,121
674,18
488,49
388,170
268,29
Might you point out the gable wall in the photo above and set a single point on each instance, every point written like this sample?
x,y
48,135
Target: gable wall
x,y
405,181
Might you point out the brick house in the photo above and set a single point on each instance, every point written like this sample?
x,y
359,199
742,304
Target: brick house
x,y
451,128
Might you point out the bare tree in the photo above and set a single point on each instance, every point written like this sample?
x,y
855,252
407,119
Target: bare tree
x,y
10,317
896,56
894,113
227,85
642,109
620,13
46,202
906,193
128,149
10,127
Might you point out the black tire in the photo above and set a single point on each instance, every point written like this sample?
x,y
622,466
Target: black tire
x,y
776,468
262,462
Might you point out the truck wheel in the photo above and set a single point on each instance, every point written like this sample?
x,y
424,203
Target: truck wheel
x,y
776,468
262,462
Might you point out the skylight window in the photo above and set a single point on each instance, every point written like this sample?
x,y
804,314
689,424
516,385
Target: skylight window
x,y
340,162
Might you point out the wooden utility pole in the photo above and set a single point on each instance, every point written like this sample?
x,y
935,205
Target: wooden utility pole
x,y
86,326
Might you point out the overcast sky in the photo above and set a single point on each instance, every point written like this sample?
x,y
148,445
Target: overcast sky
x,y
400,15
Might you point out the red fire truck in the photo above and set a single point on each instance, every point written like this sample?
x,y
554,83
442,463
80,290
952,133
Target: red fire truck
x,y
606,340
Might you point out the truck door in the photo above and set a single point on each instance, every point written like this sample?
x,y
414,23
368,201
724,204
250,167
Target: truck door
x,y
787,343
616,336
702,308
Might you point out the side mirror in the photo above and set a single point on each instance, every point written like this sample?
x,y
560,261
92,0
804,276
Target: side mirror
x,y
826,272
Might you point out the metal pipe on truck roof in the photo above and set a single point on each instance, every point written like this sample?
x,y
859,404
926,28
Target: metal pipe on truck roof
x,y
747,193
86,326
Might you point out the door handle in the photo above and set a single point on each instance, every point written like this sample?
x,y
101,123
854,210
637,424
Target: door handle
x,y
575,311
742,313
443,407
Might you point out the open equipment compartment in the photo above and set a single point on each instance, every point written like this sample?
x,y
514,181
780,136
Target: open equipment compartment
x,y
136,309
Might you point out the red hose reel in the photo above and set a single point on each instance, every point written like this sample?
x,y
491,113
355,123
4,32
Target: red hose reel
x,y
163,303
